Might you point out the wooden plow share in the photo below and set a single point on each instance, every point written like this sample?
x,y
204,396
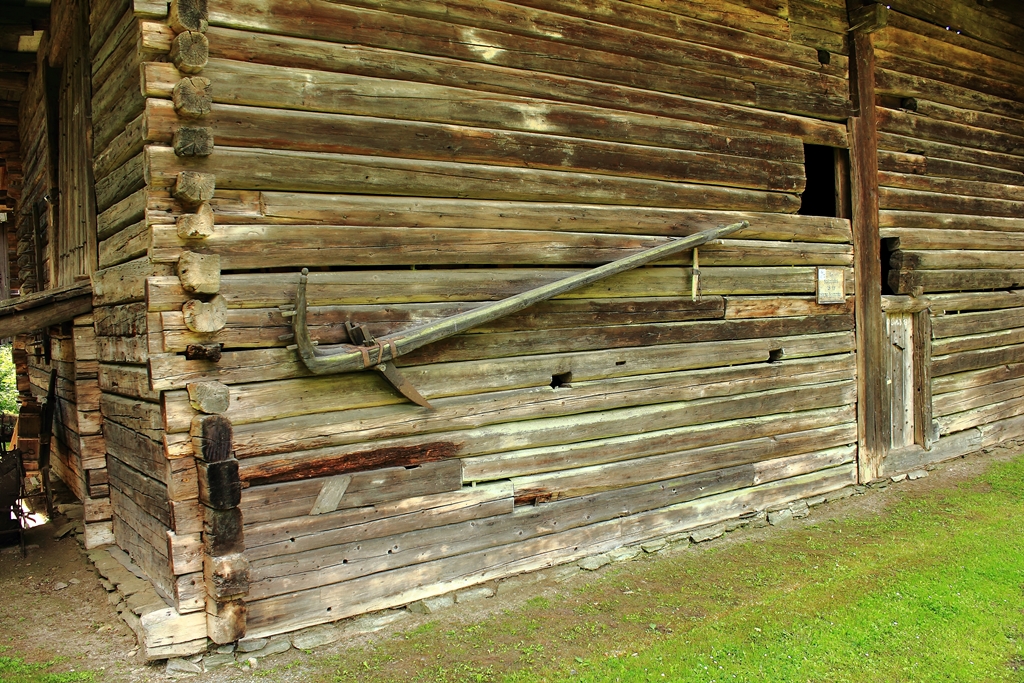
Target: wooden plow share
x,y
366,352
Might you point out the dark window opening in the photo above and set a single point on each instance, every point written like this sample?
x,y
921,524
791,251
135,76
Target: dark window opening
x,y
819,197
563,379
774,355
886,257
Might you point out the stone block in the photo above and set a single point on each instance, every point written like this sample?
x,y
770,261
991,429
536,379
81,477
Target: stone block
x,y
707,533
654,546
274,646
475,593
624,554
216,660
594,562
780,516
431,605
317,636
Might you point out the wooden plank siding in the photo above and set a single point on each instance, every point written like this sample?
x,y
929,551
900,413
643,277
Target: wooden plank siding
x,y
951,180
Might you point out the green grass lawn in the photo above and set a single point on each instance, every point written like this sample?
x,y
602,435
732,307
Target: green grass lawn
x,y
16,670
931,589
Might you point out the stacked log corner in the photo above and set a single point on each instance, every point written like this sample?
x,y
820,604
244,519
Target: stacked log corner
x,y
154,497
225,567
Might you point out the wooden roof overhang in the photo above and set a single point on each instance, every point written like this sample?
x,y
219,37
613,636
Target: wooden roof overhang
x,y
32,312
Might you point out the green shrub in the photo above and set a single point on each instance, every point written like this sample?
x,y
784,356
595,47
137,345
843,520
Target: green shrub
x,y
8,382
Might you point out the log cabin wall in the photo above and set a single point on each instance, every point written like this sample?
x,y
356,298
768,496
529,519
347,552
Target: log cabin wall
x,y
138,473
55,218
32,220
951,185
423,158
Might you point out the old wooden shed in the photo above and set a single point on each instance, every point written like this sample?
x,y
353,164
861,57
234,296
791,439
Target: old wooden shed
x,y
168,169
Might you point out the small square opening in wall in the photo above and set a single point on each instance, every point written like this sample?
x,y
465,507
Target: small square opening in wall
x,y
562,379
821,196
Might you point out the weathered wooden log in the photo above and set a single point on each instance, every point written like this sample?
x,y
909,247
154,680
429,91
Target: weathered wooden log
x,y
219,485
949,151
122,148
983,340
362,398
188,15
194,188
226,576
269,327
922,165
948,221
185,552
268,246
122,214
975,360
979,322
199,273
223,531
198,225
277,502
120,183
298,53
905,239
192,97
925,42
225,620
212,398
955,259
891,82
275,88
419,449
211,437
189,593
462,285
190,51
253,127
205,316
286,534
207,352
128,244
954,402
970,188
193,141
305,608
915,200
542,42
367,555
949,280
402,212
288,170
125,282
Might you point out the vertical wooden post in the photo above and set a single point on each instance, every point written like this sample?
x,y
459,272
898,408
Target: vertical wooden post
x,y
923,434
872,401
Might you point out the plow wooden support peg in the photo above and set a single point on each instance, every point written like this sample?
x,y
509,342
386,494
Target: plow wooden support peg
x,y
365,352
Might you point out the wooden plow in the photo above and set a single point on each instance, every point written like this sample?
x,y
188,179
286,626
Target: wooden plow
x,y
366,352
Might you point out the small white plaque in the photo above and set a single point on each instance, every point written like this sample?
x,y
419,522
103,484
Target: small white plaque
x,y
831,287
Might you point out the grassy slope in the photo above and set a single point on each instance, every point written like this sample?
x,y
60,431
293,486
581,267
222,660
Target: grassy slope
x,y
930,590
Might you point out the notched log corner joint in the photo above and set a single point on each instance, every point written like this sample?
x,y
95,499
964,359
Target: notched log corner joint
x,y
366,352
869,18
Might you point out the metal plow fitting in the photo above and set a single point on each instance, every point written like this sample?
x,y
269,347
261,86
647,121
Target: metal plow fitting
x,y
366,352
